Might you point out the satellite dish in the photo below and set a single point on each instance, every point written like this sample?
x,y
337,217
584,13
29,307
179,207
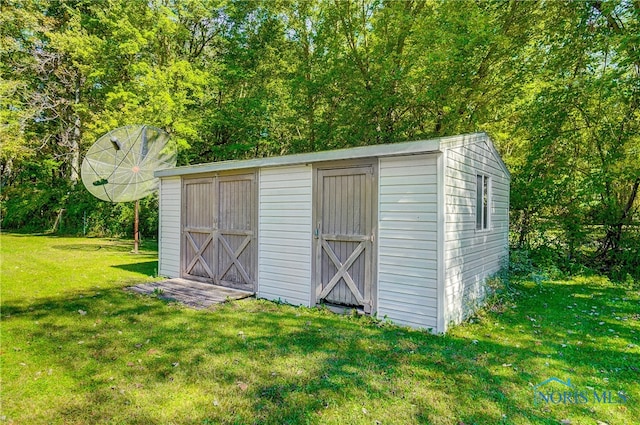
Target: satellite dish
x,y
119,166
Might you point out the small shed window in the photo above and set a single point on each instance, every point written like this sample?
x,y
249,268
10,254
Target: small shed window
x,y
483,192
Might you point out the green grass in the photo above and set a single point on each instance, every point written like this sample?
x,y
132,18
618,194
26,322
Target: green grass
x,y
77,349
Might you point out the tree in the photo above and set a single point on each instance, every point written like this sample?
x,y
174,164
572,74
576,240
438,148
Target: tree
x,y
556,84
582,164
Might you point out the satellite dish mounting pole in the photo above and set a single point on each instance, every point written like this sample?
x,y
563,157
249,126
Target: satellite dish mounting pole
x,y
136,223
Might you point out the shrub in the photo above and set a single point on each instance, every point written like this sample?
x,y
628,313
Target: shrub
x,y
34,208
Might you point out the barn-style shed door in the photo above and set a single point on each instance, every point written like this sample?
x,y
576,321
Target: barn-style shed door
x,y
344,236
236,224
198,228
219,230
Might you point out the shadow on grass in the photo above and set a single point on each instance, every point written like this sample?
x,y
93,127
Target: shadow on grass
x,y
100,244
88,247
131,358
147,268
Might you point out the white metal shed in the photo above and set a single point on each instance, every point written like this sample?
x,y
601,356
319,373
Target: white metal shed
x,y
408,231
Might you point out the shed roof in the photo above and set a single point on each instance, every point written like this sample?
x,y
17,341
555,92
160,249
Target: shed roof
x,y
393,149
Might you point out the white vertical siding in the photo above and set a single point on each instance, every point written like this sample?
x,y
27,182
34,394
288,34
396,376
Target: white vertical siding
x,y
169,227
407,240
431,260
473,255
284,234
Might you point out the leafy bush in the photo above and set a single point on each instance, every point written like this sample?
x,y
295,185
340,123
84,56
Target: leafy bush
x,y
34,208
553,263
623,264
30,208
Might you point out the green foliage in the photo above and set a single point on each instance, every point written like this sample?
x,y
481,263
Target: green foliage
x,y
30,208
555,84
72,210
580,169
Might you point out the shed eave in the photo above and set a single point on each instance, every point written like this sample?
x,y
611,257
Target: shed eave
x,y
403,148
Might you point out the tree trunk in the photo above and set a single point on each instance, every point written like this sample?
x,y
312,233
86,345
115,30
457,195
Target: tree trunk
x,y
614,232
136,225
74,145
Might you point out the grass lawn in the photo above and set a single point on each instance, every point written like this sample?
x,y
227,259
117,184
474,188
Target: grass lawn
x,y
77,349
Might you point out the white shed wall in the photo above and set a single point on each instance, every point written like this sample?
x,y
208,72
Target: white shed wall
x,y
284,234
431,260
407,240
170,201
472,255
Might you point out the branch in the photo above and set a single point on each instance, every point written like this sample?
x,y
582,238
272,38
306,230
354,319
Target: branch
x,y
611,18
